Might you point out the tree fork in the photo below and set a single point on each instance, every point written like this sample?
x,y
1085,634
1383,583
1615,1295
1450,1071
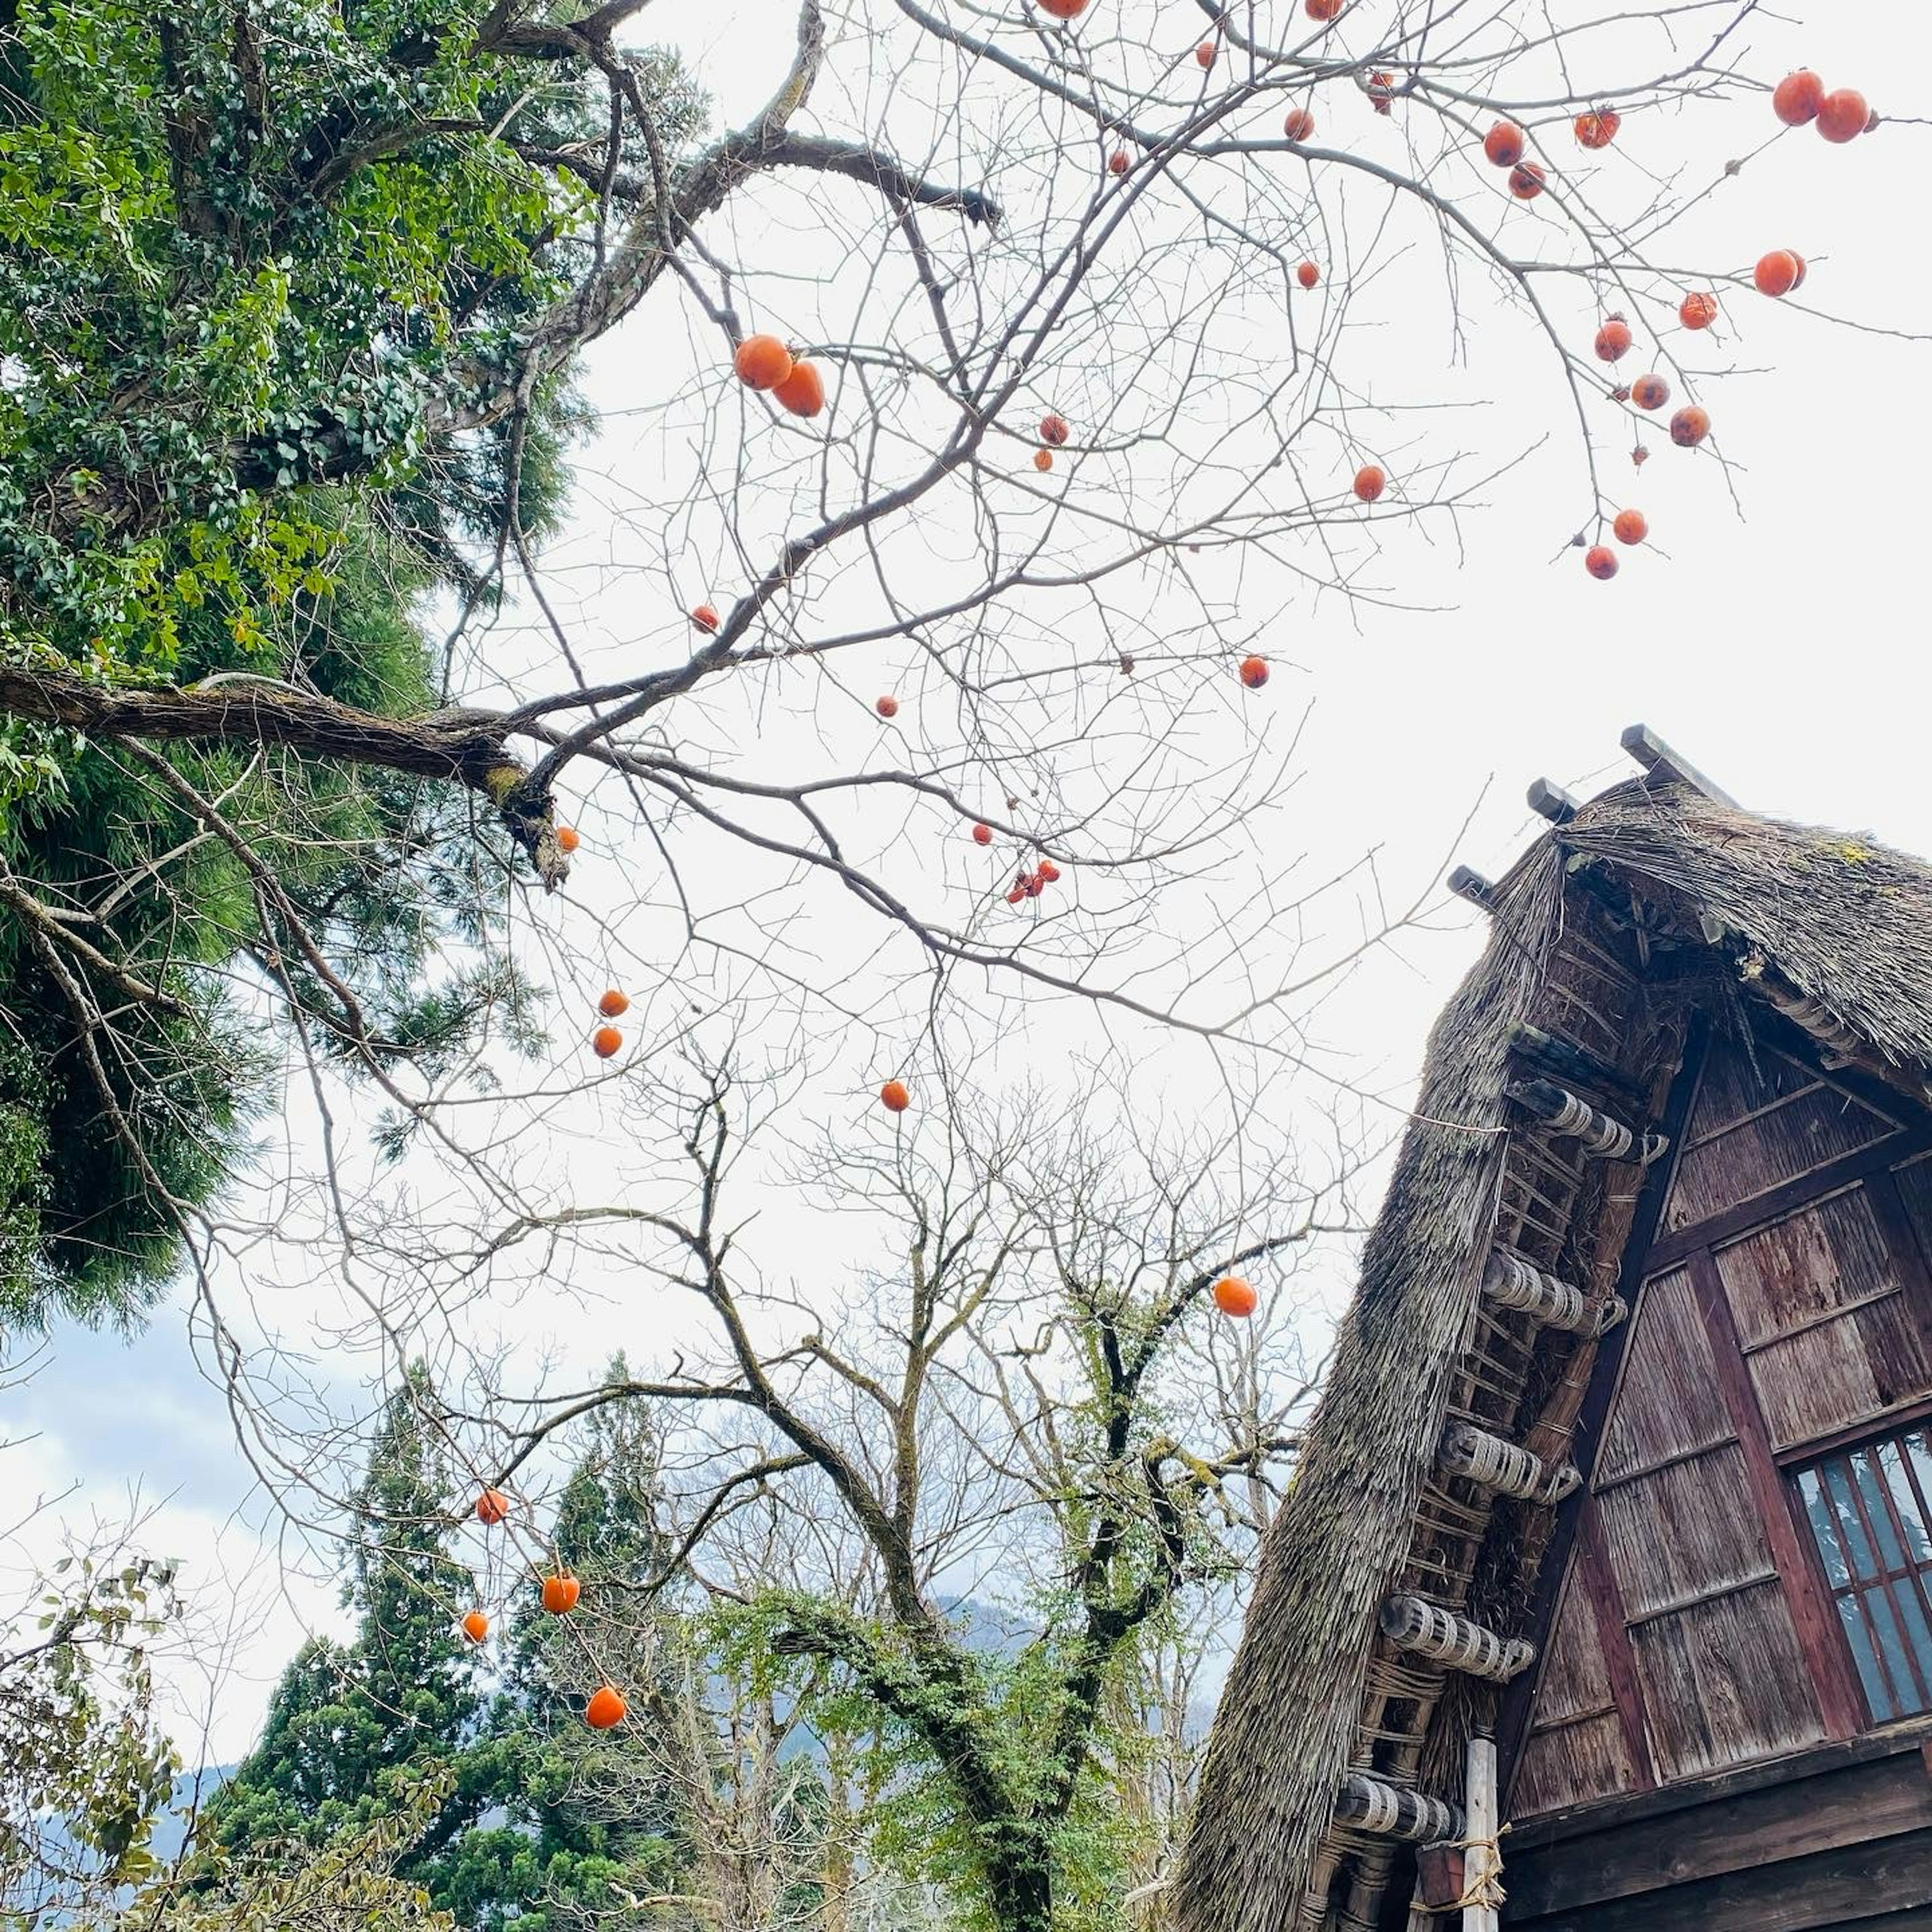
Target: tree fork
x,y
461,747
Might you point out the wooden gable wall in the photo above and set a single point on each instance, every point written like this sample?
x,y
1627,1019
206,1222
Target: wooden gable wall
x,y
1785,1310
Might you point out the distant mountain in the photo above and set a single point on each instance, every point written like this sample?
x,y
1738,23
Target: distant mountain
x,y
192,1790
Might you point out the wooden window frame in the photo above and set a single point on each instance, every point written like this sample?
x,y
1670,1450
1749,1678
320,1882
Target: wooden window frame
x,y
1808,1460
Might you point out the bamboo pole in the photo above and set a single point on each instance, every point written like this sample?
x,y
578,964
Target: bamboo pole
x,y
1483,1863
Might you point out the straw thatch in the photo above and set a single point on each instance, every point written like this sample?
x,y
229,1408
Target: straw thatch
x,y
1796,914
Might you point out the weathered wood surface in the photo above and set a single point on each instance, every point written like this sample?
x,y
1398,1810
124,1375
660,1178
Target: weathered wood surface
x,y
1810,1810
1756,1129
1796,1307
1854,1882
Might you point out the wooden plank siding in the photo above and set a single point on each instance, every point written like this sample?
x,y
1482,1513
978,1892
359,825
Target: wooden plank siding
x,y
1840,1834
1785,1305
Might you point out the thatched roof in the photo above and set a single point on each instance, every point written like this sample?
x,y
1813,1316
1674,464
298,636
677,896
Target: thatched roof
x,y
1835,931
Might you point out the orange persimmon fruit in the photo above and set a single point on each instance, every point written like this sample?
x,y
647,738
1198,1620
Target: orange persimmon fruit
x,y
762,361
1504,144
1234,1297
1797,98
1843,115
894,1097
803,391
1690,426
604,1710
1778,272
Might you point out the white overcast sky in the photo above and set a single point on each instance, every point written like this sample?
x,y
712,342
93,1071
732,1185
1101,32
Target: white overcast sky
x,y
1783,648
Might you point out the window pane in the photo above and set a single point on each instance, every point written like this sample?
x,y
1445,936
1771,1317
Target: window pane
x,y
1911,1609
1917,1544
1825,1528
1919,1447
1890,1648
1871,1493
1838,1484
1883,1708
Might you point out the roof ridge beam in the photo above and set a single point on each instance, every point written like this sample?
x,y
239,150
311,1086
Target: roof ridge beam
x,y
1659,761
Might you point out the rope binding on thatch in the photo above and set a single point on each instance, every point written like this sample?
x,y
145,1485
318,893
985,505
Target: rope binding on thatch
x,y
1510,1282
1427,1630
1503,1468
1386,1811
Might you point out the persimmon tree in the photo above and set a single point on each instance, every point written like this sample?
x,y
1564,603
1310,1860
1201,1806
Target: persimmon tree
x,y
947,1505
293,296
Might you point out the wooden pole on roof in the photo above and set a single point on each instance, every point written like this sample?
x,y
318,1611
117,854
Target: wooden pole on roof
x,y
1482,1862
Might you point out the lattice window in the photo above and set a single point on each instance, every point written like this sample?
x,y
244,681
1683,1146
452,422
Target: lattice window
x,y
1870,1513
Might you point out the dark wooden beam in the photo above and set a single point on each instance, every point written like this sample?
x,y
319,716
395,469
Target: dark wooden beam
x,y
1577,1822
1659,761
1809,1811
1568,1061
1820,1639
1466,883
1853,1884
1548,799
1519,1699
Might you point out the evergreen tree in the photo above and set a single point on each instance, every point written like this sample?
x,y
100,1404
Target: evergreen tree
x,y
543,1820
165,246
344,1721
586,1818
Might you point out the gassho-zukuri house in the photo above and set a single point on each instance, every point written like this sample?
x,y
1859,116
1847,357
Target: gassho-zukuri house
x,y
1602,1597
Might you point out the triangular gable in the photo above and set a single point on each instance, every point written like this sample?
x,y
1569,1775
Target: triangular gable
x,y
1760,1119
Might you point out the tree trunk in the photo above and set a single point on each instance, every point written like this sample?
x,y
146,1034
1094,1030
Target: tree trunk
x,y
1022,1891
